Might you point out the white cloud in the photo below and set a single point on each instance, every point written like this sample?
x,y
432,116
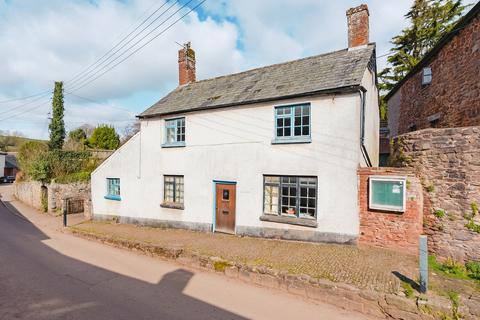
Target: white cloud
x,y
44,41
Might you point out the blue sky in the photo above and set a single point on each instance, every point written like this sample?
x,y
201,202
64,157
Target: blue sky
x,y
52,40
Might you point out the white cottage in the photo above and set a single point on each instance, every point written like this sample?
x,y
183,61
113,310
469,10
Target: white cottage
x,y
269,152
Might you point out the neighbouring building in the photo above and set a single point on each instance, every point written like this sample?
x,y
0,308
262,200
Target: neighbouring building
x,y
443,89
11,166
3,155
271,152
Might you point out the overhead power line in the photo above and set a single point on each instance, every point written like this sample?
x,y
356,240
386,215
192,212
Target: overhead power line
x,y
143,45
82,74
99,72
25,98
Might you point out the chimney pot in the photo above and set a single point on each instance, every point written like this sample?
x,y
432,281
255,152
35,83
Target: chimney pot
x,y
186,65
358,28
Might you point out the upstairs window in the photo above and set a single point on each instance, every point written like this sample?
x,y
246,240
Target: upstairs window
x,y
290,196
292,123
113,189
175,132
426,76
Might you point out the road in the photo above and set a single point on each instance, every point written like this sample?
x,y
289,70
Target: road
x,y
47,274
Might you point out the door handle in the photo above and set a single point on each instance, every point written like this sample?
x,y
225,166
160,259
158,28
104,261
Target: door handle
x,y
225,211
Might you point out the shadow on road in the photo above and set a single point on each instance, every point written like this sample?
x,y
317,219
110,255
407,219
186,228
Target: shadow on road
x,y
37,282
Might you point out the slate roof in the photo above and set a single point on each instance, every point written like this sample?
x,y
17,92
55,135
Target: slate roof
x,y
336,70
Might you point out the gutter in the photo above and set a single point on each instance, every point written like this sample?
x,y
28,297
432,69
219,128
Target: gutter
x,y
346,89
362,91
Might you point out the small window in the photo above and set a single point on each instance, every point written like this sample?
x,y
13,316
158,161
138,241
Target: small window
x,y
226,195
426,76
292,122
173,189
175,132
290,196
387,193
113,189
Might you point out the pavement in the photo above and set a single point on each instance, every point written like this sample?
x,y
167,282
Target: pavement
x,y
48,274
364,267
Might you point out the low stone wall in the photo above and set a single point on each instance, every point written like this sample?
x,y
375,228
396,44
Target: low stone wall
x,y
30,192
78,190
399,231
448,163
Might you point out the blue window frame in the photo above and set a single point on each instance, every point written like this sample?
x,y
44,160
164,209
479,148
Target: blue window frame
x,y
174,132
113,189
292,123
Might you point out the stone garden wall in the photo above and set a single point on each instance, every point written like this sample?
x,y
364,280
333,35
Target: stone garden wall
x,y
448,164
393,230
30,192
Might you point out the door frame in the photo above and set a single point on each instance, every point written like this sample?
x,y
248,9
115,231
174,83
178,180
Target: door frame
x,y
215,182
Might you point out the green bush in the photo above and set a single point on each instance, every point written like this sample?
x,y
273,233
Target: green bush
x,y
439,213
74,177
473,269
471,225
450,266
104,137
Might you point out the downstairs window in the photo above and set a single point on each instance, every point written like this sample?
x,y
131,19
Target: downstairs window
x,y
290,196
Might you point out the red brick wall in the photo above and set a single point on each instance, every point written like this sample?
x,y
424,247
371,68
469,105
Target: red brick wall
x,y
389,229
455,87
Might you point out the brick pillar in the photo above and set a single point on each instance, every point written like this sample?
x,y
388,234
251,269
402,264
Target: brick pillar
x,y
186,65
358,28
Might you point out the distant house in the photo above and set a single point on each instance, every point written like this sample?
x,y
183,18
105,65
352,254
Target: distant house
x,y
270,152
2,163
443,90
11,166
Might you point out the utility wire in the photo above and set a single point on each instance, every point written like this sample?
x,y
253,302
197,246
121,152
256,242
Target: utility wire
x,y
15,108
25,111
145,44
93,77
25,98
108,55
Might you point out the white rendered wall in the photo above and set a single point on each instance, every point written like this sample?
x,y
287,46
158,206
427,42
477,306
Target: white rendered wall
x,y
2,164
372,119
234,144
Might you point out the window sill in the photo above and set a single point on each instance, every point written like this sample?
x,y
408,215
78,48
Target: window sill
x,y
174,145
116,198
292,140
172,205
289,220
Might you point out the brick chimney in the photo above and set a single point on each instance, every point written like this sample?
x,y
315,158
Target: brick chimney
x,y
357,26
186,65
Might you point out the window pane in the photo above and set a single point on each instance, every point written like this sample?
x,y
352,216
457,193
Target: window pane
x,y
298,131
170,135
306,131
287,132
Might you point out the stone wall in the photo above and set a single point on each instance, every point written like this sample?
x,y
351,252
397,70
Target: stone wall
x,y
78,190
448,162
385,229
30,192
453,93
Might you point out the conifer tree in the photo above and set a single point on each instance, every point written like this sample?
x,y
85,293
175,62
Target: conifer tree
x,y
429,21
57,125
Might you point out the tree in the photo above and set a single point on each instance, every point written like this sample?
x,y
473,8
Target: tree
x,y
78,135
429,21
57,125
130,130
76,140
104,137
29,154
